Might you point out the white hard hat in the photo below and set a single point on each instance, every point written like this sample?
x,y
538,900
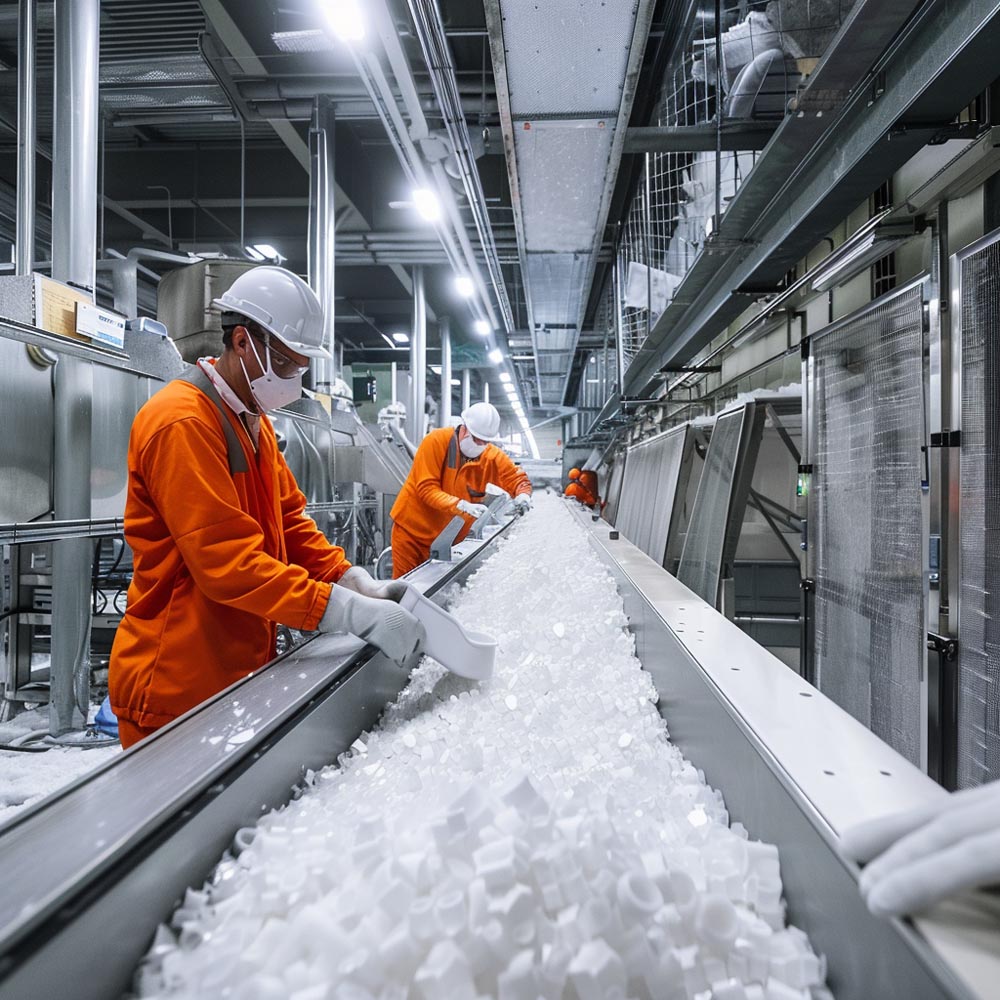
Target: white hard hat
x,y
283,304
482,421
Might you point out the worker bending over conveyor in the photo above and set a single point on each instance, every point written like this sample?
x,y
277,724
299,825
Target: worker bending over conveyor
x,y
576,489
222,548
450,472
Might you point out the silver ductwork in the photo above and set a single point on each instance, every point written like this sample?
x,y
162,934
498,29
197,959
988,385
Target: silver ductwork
x,y
322,226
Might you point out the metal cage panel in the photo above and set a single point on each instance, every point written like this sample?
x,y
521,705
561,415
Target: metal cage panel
x,y
978,704
866,404
700,567
652,476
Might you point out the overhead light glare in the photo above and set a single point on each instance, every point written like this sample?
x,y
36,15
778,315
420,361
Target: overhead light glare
x,y
504,376
496,355
345,20
427,204
455,381
464,286
482,327
401,338
264,251
435,369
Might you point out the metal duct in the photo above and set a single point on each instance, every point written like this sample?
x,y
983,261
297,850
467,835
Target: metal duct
x,y
978,286
866,430
565,85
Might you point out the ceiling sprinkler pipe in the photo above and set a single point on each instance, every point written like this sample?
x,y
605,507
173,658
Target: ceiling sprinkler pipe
x,y
434,44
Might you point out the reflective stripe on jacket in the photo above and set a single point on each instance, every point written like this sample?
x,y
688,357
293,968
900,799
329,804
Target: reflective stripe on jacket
x,y
441,476
219,558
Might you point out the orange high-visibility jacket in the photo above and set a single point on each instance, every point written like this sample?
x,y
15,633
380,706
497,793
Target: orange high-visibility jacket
x,y
441,476
578,491
219,558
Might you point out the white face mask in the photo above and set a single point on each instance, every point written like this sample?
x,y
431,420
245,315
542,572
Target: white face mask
x,y
270,391
469,447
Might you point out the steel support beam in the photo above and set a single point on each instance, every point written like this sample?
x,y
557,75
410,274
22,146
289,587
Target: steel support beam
x,y
444,325
322,227
418,362
736,136
74,251
27,137
466,388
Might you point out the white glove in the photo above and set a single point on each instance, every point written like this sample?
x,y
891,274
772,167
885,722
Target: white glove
x,y
386,625
361,582
923,855
522,503
474,510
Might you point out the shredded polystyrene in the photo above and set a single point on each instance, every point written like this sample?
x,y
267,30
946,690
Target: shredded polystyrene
x,y
533,836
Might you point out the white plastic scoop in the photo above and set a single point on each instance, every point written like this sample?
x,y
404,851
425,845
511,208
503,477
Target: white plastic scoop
x,y
463,652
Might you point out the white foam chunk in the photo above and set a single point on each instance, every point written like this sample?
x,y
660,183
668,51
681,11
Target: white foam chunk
x,y
533,836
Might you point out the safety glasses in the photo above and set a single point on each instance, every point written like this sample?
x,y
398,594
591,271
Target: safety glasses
x,y
284,366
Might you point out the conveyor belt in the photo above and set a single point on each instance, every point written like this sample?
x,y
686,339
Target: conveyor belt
x,y
796,769
92,870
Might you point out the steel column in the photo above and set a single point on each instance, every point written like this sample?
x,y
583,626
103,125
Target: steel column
x,y
466,388
322,224
74,245
418,361
486,391
27,137
444,410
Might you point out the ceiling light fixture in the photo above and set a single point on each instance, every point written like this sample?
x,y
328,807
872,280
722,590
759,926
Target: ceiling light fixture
x,y
482,327
464,286
345,20
504,376
264,251
401,338
496,355
427,204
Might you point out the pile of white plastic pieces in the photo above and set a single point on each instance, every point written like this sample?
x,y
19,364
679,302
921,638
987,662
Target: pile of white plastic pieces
x,y
533,837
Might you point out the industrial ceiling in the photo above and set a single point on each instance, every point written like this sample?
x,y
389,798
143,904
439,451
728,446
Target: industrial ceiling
x,y
205,116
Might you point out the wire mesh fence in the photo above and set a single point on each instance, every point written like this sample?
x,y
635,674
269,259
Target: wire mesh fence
x,y
745,68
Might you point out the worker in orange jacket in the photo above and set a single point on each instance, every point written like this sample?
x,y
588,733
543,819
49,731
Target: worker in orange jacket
x,y
222,548
450,472
577,490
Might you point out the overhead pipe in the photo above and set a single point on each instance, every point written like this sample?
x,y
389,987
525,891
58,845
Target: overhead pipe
x,y
402,138
322,229
74,251
418,360
27,137
444,325
430,32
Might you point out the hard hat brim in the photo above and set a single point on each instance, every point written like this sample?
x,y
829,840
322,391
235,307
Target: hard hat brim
x,y
307,349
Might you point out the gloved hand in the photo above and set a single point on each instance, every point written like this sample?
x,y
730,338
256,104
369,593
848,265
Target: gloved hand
x,y
522,503
923,855
382,623
361,582
473,510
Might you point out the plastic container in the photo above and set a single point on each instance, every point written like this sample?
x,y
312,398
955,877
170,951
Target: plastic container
x,y
466,653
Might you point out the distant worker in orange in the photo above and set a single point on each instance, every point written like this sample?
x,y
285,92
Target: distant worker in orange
x,y
588,480
577,491
450,472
